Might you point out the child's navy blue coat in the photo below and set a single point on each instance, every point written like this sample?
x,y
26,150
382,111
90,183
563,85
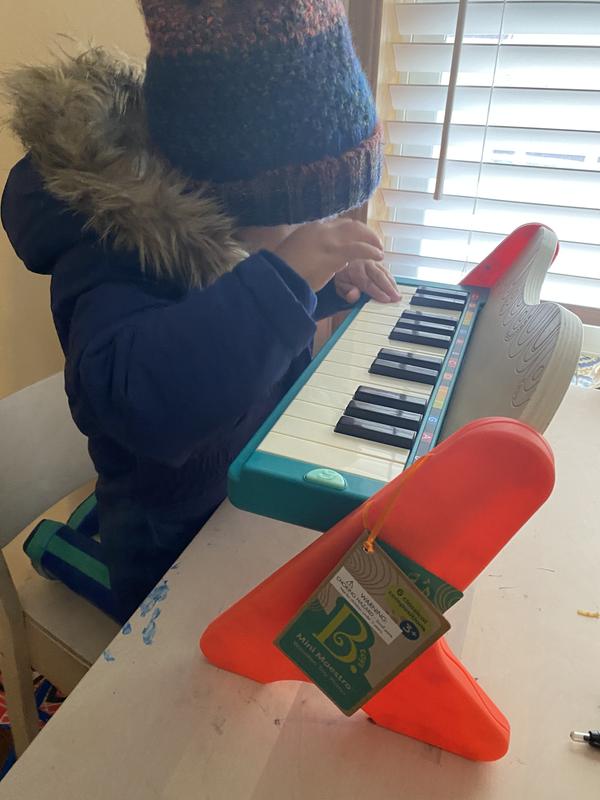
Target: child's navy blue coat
x,y
171,368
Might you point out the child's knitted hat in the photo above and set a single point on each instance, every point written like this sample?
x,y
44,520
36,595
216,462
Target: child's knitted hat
x,y
267,101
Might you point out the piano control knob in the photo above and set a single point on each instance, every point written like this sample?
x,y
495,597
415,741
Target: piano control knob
x,y
328,478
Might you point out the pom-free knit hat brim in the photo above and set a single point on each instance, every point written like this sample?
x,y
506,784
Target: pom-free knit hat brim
x,y
306,192
264,101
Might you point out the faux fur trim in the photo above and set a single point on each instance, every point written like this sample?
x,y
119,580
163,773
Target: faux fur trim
x,y
83,121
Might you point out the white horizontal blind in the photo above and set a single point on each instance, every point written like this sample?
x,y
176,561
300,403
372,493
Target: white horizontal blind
x,y
524,144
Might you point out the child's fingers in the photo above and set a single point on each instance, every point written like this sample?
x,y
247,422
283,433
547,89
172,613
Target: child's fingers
x,y
359,251
382,278
351,230
351,295
373,290
367,277
358,275
362,233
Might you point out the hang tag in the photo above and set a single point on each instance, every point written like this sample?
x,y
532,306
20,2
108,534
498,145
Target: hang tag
x,y
365,623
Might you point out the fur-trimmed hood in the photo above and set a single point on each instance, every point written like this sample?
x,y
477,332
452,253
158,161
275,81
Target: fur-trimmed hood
x,y
83,122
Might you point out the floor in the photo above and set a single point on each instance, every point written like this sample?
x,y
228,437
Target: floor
x,y
49,699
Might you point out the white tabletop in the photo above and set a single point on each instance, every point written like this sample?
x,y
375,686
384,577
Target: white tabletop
x,y
156,721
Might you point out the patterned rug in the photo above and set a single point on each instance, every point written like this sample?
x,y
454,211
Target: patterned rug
x,y
587,370
48,701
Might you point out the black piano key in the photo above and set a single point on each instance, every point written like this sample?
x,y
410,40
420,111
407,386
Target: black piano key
x,y
407,357
437,301
408,372
385,397
387,416
376,432
425,317
437,290
428,327
400,334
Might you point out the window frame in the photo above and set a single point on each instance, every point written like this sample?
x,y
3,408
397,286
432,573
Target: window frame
x,y
367,20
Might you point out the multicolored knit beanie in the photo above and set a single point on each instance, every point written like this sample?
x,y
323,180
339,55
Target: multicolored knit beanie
x,y
267,101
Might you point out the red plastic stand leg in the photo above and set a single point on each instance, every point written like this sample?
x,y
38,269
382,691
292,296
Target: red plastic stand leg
x,y
456,512
502,259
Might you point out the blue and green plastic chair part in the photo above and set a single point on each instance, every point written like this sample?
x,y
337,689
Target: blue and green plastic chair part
x,y
71,552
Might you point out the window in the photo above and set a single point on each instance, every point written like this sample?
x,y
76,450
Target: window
x,y
524,141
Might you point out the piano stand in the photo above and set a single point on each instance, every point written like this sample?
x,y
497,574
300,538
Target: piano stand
x,y
453,516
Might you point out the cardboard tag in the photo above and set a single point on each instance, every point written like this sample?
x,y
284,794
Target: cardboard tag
x,y
365,623
442,594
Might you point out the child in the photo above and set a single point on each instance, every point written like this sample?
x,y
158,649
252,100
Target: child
x,y
142,195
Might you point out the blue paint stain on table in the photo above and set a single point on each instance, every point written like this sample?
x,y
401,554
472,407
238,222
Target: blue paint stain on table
x,y
149,631
156,596
151,606
126,629
108,656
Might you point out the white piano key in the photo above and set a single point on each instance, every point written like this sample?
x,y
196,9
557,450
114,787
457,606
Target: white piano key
x,y
368,349
314,412
382,341
385,311
360,324
360,348
378,319
341,356
437,312
337,384
324,397
332,457
360,375
406,288
392,319
364,362
406,291
375,339
389,309
323,433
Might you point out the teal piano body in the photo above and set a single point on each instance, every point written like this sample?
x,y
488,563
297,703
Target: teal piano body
x,y
372,401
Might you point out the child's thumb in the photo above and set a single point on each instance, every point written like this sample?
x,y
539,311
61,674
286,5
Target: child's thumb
x,y
352,295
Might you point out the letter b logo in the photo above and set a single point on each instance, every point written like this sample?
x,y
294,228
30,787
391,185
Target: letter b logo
x,y
343,633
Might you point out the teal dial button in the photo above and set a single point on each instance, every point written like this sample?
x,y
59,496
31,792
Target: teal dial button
x,y
326,477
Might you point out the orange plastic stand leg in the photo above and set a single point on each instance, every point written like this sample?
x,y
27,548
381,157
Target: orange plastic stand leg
x,y
475,491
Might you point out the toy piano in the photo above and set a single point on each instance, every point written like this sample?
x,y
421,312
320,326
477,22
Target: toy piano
x,y
396,378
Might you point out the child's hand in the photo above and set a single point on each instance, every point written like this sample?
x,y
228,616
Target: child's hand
x,y
368,277
320,249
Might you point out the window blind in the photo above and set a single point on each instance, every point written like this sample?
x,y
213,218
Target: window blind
x,y
524,141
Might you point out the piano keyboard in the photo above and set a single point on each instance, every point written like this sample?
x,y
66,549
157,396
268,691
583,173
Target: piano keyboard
x,y
370,403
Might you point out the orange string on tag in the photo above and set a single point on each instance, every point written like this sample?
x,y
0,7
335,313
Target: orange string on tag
x,y
368,544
